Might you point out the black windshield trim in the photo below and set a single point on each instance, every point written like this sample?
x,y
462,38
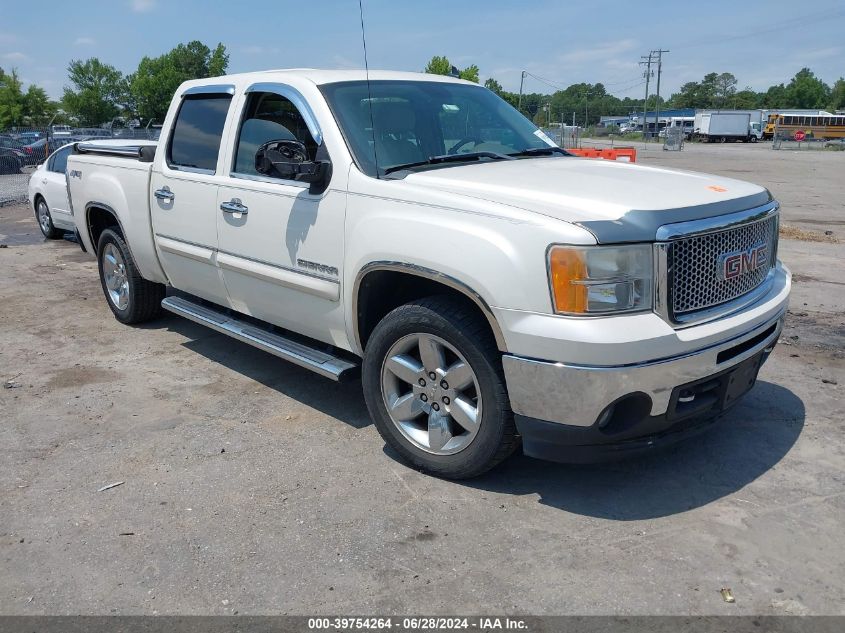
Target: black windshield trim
x,y
540,152
434,161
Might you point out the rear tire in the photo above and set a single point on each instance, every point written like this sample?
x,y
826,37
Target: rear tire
x,y
45,220
458,430
132,298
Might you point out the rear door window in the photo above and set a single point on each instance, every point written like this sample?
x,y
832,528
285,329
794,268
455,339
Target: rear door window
x,y
195,142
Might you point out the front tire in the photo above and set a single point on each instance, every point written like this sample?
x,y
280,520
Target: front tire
x,y
132,298
434,386
45,221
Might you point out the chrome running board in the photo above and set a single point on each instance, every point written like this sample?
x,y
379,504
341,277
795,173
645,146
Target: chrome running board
x,y
316,360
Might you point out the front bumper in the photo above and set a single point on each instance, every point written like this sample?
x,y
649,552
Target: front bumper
x,y
560,407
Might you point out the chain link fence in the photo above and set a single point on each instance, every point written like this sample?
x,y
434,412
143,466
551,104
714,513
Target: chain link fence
x,y
23,149
789,141
566,136
792,138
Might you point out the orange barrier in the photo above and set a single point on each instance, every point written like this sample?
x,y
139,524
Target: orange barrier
x,y
622,154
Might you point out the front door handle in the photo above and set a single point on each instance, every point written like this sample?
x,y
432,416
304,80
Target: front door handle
x,y
164,194
44,182
234,206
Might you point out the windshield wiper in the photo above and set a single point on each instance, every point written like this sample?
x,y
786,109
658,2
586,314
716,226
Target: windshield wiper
x,y
540,151
449,158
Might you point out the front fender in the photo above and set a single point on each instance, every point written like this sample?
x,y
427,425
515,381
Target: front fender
x,y
497,257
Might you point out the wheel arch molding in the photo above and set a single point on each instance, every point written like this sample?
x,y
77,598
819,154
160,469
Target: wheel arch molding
x,y
427,282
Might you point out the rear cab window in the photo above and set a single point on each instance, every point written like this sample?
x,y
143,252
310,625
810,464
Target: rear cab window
x,y
198,132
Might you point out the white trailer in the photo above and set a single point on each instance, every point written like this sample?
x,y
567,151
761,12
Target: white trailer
x,y
724,126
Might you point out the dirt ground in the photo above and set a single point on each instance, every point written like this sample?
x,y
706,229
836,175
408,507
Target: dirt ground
x,y
251,486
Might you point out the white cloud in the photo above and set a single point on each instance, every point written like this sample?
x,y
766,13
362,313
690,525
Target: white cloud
x,y
142,6
821,53
344,63
84,41
607,50
255,49
15,56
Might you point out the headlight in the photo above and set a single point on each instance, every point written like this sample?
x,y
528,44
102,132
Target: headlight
x,y
601,279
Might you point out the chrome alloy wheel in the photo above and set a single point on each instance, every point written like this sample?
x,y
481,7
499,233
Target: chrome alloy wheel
x,y
44,217
431,394
114,272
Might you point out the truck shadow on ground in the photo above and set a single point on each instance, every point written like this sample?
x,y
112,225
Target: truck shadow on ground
x,y
741,447
344,402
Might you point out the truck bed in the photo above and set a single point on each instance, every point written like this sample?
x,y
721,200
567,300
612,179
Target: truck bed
x,y
115,176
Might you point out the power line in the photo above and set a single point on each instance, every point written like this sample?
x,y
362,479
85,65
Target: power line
x,y
810,18
560,86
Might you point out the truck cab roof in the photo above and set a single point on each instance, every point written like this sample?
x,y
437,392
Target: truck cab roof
x,y
320,77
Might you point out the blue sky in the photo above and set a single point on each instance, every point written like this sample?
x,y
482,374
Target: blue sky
x,y
760,41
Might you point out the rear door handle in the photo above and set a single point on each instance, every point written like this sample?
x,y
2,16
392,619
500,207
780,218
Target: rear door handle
x,y
234,206
164,194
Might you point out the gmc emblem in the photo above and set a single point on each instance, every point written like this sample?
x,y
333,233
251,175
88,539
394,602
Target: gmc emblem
x,y
737,263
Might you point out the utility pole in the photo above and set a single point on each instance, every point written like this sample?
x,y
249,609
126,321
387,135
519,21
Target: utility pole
x,y
585,109
647,74
659,53
521,82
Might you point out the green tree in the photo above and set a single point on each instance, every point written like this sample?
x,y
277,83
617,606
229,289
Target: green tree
x,y
438,66
153,84
689,96
724,88
837,96
97,94
20,108
746,99
470,73
37,106
807,91
493,85
12,110
774,97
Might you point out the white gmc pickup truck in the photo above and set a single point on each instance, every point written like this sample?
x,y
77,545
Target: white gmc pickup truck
x,y
491,289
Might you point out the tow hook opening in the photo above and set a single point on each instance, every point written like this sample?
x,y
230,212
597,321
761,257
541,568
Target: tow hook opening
x,y
624,414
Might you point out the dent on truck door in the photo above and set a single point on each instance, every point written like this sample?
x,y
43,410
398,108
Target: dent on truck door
x,y
183,197
280,247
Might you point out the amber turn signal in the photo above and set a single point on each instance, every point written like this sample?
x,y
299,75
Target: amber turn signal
x,y
567,267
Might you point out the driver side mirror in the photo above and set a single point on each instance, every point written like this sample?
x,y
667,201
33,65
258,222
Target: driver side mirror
x,y
289,159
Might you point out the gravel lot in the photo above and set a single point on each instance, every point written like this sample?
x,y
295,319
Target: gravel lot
x,y
13,186
252,486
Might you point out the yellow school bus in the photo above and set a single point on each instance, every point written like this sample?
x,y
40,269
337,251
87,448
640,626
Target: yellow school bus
x,y
821,126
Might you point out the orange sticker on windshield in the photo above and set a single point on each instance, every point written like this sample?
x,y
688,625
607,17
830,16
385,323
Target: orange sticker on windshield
x,y
716,188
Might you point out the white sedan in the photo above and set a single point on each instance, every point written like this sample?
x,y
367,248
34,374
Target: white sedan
x,y
48,194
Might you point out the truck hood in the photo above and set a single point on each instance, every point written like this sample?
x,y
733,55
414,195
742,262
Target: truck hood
x,y
616,202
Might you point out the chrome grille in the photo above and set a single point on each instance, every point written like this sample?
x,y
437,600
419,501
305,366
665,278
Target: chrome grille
x,y
695,264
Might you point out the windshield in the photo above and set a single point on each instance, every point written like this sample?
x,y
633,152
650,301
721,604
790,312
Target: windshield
x,y
414,121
